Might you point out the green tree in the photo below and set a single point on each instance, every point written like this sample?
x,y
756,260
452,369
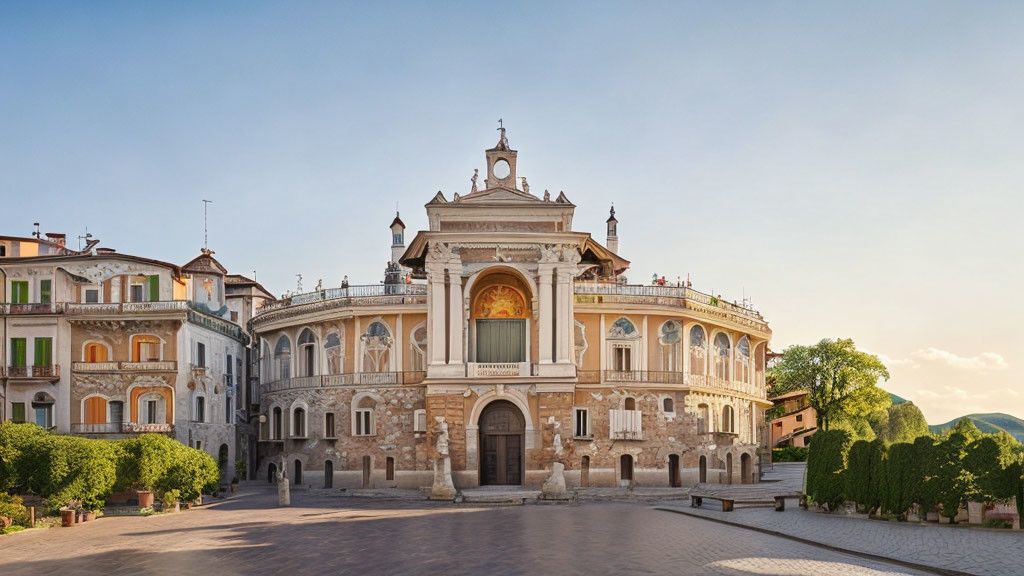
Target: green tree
x,y
924,472
900,479
954,483
968,429
905,423
826,463
837,376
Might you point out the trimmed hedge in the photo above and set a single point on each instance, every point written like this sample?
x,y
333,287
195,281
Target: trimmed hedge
x,y
68,468
931,473
826,462
789,454
900,480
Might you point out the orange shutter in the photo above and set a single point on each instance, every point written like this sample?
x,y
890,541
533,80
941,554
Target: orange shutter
x,y
95,410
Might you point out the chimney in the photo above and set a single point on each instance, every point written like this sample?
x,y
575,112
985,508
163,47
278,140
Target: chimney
x,y
58,239
613,232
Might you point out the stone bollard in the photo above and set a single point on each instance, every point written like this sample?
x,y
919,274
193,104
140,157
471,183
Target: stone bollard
x,y
284,497
443,488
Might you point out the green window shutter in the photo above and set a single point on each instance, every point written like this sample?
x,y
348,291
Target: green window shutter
x,y
19,292
17,352
18,411
45,294
44,352
154,288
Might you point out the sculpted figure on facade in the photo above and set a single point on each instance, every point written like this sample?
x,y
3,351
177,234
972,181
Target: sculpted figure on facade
x,y
443,439
526,186
476,174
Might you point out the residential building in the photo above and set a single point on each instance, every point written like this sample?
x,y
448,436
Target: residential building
x,y
797,420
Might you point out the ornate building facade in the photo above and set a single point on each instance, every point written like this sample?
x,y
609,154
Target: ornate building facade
x,y
515,337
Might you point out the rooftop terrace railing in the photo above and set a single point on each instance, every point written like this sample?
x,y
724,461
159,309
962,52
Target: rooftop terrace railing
x,y
351,292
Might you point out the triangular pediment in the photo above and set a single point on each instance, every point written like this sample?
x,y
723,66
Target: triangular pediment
x,y
499,195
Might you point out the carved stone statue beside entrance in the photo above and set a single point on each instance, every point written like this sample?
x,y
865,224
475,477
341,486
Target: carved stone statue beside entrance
x,y
443,487
284,496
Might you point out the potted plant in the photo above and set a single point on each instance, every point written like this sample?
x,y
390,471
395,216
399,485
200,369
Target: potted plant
x,y
234,484
171,500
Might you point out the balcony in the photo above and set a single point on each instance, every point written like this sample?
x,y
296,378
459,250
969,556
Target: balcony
x,y
625,424
37,373
369,295
106,367
152,366
121,428
677,378
34,308
485,369
671,296
343,380
105,308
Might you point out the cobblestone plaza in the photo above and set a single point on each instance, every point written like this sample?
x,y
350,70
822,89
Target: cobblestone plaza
x,y
338,535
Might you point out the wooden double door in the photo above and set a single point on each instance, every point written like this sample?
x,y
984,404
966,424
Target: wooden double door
x,y
502,431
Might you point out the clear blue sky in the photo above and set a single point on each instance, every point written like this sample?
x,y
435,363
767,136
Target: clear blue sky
x,y
854,168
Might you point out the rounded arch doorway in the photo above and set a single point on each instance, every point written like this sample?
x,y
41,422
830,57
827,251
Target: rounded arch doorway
x,y
502,442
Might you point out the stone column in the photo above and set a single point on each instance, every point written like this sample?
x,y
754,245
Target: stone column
x,y
563,333
435,291
455,314
544,318
357,346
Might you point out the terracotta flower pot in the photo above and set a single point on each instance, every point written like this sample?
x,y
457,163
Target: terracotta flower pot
x,y
67,517
88,516
145,499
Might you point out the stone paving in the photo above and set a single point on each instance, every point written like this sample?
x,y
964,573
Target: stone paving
x,y
955,548
248,535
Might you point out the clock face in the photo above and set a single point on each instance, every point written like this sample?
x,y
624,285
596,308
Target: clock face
x,y
501,169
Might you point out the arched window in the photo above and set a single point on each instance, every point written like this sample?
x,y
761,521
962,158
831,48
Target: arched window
x,y
722,349
698,351
282,359
335,349
145,348
364,417
275,422
307,353
96,410
670,340
743,360
668,405
623,340
579,342
299,423
629,403
728,424
703,413
96,352
377,343
418,347
623,328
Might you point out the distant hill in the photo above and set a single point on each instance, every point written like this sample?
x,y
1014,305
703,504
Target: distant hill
x,y
988,423
896,399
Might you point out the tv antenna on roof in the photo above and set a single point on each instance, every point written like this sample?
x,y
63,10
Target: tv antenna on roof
x,y
206,243
87,236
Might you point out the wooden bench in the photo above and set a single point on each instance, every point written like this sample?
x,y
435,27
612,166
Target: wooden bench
x,y
727,503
